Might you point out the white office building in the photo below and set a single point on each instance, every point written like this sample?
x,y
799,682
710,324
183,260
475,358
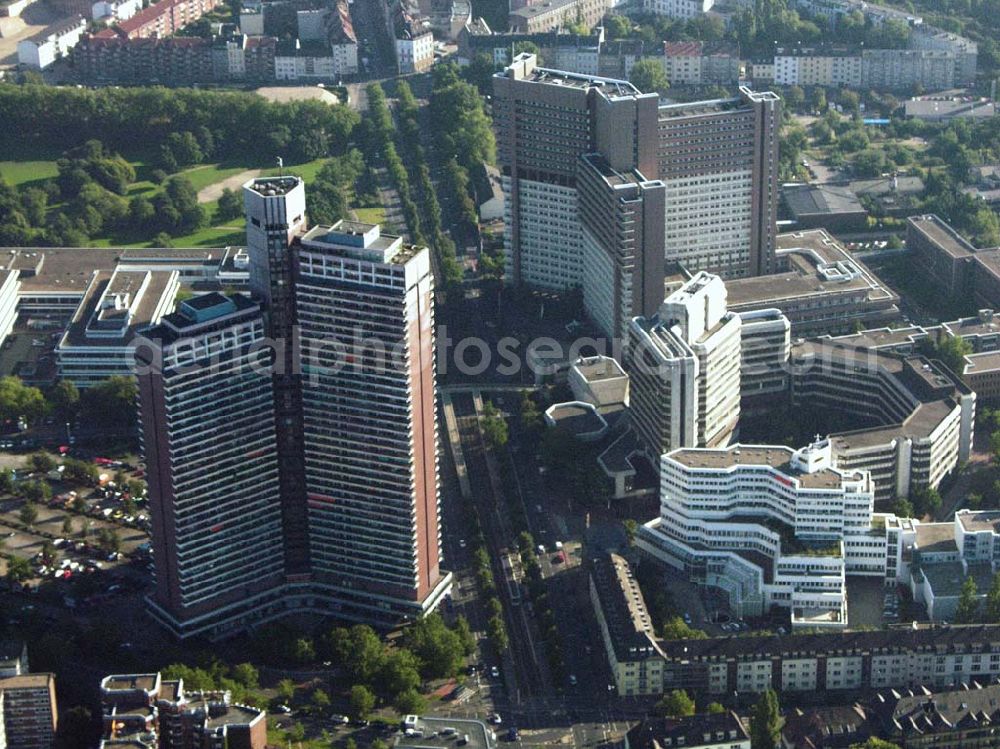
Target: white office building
x,y
769,526
684,366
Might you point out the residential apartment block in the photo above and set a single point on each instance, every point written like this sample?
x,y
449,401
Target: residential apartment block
x,y
702,731
208,429
414,39
54,43
536,17
343,512
626,629
681,9
158,713
845,662
175,60
28,711
162,19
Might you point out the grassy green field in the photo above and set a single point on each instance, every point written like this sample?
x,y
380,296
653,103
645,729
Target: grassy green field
x,y
23,173
229,232
374,215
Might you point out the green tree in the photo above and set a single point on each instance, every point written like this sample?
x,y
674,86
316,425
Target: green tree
x,y
65,400
18,570
18,401
358,649
41,462
494,426
109,541
286,690
362,701
875,743
993,601
648,76
675,704
230,205
410,702
320,700
111,403
675,628
247,675
765,722
67,526
630,526
399,673
968,603
28,513
714,708
439,649
465,636
77,729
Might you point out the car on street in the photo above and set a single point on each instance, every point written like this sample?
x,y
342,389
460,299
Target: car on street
x,y
494,672
512,734
572,680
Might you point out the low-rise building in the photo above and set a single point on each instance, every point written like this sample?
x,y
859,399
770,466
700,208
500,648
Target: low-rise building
x,y
832,207
626,630
29,710
681,9
845,662
157,712
703,731
13,658
117,307
108,11
556,14
944,257
414,40
598,380
820,287
944,109
54,43
923,414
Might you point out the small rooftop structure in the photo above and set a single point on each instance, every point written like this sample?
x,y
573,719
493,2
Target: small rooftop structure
x,y
578,418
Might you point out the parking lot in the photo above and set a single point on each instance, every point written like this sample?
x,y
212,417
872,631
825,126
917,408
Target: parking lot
x,y
82,545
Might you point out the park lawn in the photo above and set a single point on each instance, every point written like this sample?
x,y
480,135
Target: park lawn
x,y
204,175
306,170
374,215
18,173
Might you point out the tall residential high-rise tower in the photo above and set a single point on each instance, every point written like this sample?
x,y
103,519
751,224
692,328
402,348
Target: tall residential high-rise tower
x,y
275,214
366,313
292,440
208,428
714,166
